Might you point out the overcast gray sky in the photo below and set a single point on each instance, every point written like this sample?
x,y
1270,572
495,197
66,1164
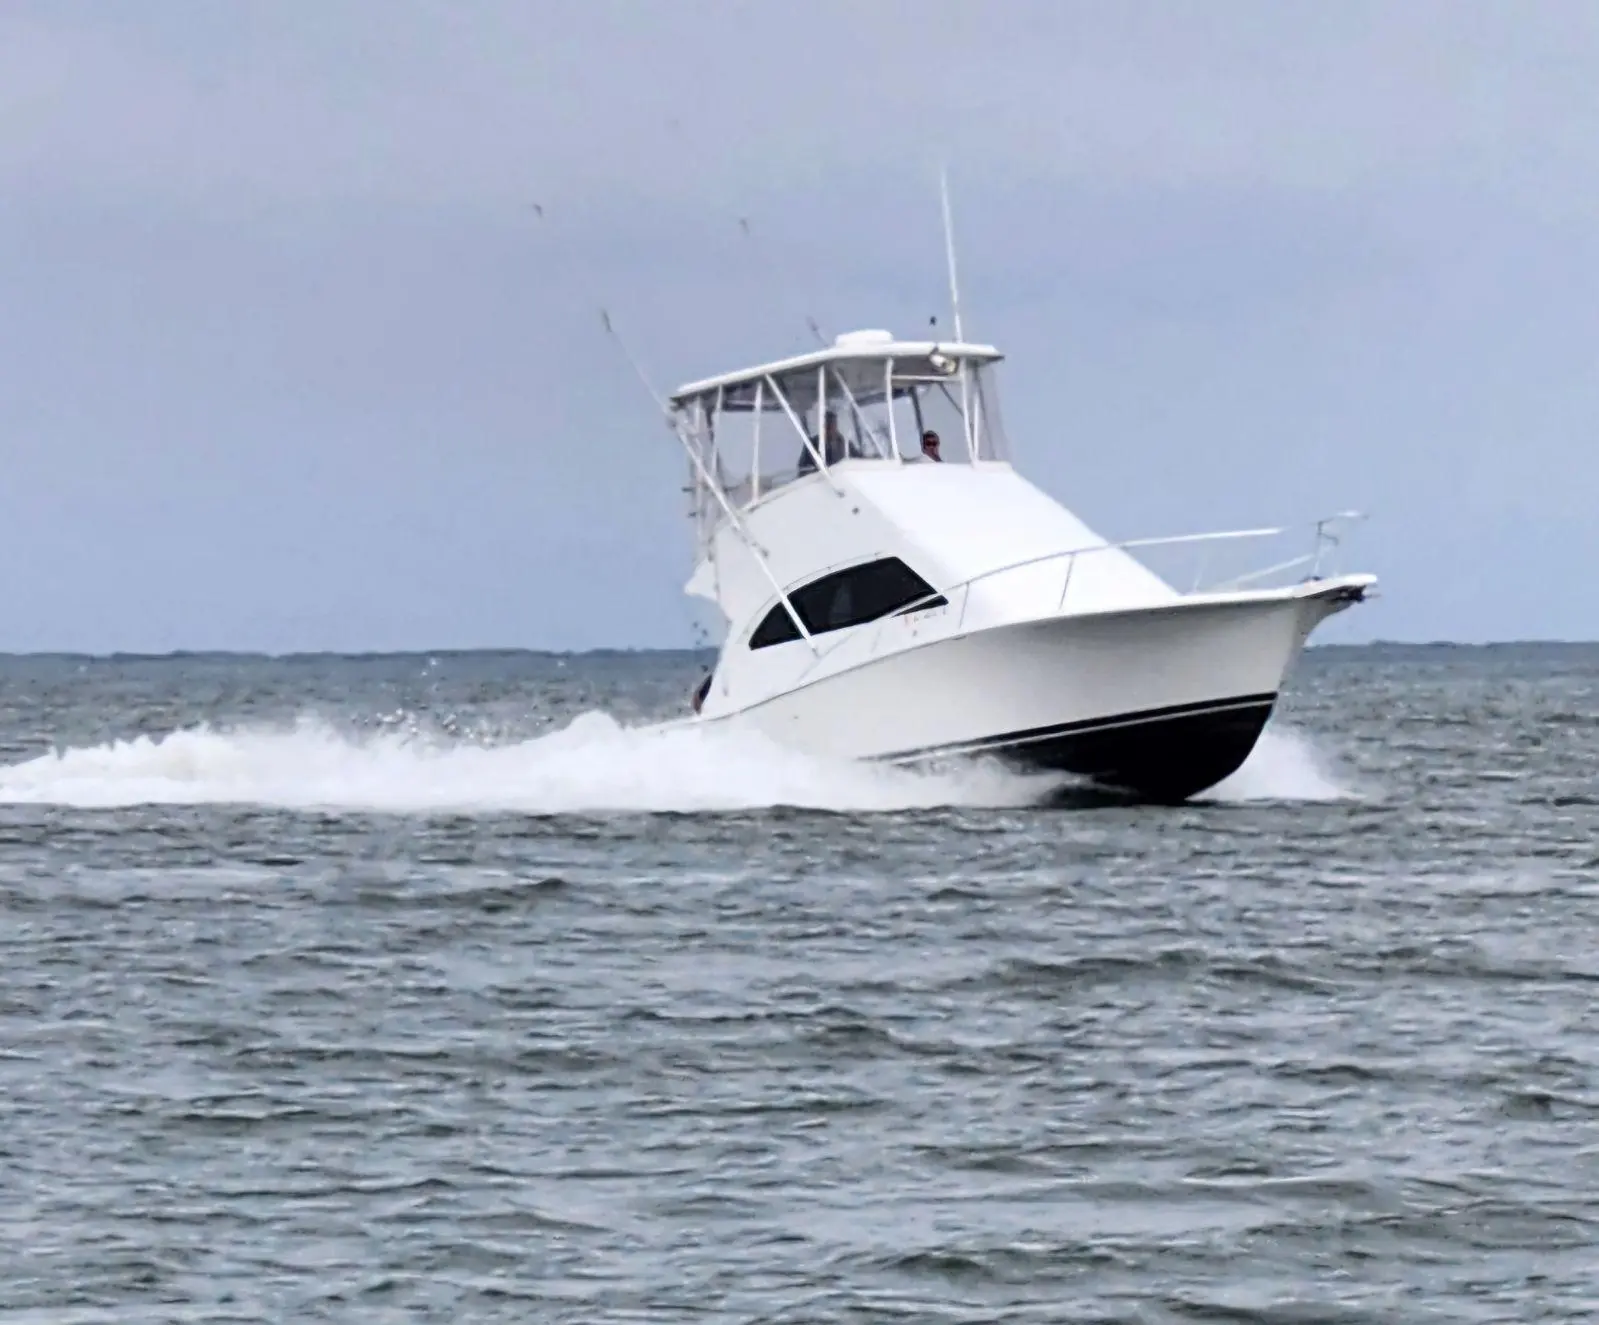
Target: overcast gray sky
x,y
288,361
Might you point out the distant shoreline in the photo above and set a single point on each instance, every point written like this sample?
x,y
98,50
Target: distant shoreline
x,y
1390,647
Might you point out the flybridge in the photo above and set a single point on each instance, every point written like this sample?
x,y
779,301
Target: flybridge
x,y
866,397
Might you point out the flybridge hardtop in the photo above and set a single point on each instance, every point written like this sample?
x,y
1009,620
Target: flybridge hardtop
x,y
855,353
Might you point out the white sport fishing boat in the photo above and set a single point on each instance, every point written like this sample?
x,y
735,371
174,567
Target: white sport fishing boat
x,y
892,589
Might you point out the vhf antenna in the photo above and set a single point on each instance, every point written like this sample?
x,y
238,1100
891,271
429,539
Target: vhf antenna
x,y
949,253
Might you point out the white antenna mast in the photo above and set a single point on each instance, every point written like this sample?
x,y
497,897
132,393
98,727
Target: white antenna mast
x,y
949,253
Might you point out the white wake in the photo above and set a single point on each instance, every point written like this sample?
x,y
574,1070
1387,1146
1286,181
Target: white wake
x,y
1283,766
594,765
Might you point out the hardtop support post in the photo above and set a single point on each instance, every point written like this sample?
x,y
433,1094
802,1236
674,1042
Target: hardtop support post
x,y
755,448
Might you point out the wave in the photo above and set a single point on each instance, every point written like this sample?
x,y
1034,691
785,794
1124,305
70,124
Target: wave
x,y
593,765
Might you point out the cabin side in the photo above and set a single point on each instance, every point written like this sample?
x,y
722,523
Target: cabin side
x,y
941,551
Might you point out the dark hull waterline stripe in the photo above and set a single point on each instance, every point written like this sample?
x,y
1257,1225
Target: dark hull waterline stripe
x,y
1082,727
1165,755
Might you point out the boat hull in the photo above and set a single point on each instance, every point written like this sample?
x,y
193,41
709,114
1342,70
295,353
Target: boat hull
x,y
1161,702
1166,754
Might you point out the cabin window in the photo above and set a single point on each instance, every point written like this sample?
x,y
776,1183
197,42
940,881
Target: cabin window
x,y
848,598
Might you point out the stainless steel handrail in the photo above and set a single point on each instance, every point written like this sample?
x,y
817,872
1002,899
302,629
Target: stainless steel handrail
x,y
1073,553
964,587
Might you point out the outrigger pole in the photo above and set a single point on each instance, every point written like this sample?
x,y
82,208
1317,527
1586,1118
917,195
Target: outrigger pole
x,y
660,402
758,552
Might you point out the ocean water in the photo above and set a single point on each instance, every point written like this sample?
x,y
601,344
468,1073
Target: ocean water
x,y
430,988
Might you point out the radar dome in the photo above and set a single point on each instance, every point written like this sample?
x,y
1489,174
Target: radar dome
x,y
863,338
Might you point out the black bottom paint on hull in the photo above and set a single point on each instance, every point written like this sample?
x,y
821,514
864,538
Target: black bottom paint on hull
x,y
1162,755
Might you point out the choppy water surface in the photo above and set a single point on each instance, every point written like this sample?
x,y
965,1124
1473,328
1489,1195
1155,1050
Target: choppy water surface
x,y
383,990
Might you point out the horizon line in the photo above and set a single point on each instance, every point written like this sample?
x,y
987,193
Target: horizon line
x,y
290,655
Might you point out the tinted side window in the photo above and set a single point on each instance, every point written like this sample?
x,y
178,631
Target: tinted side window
x,y
776,627
848,598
